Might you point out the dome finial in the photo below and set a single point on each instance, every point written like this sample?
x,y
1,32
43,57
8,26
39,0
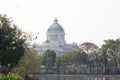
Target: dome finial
x,y
56,21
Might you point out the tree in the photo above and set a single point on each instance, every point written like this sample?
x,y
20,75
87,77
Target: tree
x,y
94,62
104,61
112,50
62,62
11,43
75,57
58,64
88,47
29,63
79,58
48,60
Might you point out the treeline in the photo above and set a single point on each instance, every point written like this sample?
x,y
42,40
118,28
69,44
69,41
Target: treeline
x,y
103,61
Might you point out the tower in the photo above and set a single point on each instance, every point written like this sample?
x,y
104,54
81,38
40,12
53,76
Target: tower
x,y
55,33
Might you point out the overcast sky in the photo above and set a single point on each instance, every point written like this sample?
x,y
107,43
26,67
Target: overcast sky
x,y
83,20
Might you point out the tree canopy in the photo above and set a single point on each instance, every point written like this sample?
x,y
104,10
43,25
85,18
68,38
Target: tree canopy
x,y
11,42
88,47
111,53
29,63
48,59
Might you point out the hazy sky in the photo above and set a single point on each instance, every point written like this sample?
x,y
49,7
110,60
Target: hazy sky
x,y
83,20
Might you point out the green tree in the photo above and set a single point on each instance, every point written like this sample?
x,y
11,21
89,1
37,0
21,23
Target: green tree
x,y
62,62
29,63
80,58
112,50
104,61
94,62
48,60
58,64
75,57
11,43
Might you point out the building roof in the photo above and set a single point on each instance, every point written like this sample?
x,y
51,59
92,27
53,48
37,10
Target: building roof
x,y
55,26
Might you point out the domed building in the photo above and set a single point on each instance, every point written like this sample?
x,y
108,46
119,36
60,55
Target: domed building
x,y
55,40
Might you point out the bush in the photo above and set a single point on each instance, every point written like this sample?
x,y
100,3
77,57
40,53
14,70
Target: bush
x,y
11,76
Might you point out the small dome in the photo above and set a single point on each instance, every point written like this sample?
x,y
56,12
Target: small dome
x,y
55,26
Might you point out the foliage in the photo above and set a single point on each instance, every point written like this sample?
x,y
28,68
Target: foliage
x,y
11,43
29,63
58,64
11,76
111,48
88,47
61,63
94,62
71,58
80,57
76,57
48,59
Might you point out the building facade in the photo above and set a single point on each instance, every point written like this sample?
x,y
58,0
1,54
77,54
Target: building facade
x,y
55,40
